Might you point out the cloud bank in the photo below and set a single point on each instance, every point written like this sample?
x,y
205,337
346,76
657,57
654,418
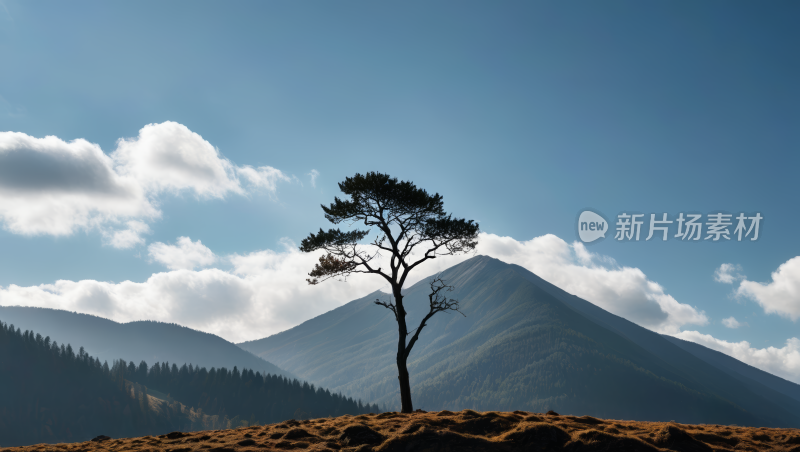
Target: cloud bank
x,y
265,292
52,187
784,362
49,186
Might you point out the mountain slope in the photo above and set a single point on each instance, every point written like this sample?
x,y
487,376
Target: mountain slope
x,y
693,368
738,369
521,346
137,341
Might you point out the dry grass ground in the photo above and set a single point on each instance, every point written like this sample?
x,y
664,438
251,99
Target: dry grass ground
x,y
447,431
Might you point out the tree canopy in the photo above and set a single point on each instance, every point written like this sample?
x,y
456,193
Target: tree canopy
x,y
407,219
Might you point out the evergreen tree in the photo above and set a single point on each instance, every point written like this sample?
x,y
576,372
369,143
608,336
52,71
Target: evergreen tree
x,y
58,396
412,228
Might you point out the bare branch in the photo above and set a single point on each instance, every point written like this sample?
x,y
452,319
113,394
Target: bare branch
x,y
438,302
429,254
388,305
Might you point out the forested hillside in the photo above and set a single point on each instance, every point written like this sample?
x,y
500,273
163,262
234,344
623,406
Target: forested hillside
x,y
137,341
244,396
51,393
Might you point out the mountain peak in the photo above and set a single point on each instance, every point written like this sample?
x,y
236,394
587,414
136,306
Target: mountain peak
x,y
523,344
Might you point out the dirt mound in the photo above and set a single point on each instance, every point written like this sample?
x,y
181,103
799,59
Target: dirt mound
x,y
538,436
484,425
297,433
434,441
595,440
672,437
359,434
466,431
585,420
175,435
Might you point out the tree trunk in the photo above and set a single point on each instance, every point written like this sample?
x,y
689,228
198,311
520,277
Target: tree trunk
x,y
402,370
405,386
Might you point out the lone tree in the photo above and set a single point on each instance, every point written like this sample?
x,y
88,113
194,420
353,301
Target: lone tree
x,y
412,228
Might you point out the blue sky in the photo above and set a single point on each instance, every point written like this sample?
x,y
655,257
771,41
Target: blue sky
x,y
521,114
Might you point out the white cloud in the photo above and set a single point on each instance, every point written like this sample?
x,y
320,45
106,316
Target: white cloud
x,y
265,177
49,186
170,157
186,255
728,273
130,237
624,291
731,322
199,299
784,361
52,187
265,291
782,295
313,175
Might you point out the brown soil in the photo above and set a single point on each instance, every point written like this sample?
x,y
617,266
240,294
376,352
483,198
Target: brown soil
x,y
447,431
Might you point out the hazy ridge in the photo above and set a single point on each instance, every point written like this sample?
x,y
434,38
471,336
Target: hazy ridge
x,y
147,341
